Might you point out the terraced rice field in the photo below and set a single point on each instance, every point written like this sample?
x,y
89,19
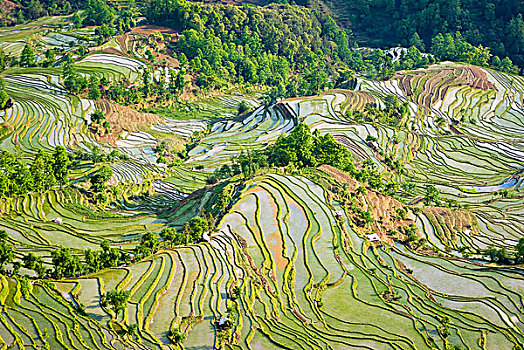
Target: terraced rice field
x,y
309,278
308,281
467,162
28,220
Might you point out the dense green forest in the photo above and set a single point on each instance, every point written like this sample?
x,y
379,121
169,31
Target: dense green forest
x,y
497,24
260,45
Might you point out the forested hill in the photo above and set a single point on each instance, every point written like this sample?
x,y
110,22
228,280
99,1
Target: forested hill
x,y
498,24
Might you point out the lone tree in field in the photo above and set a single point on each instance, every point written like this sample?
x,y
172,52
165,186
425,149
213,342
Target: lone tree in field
x,y
6,251
61,165
98,181
5,100
27,57
432,195
116,299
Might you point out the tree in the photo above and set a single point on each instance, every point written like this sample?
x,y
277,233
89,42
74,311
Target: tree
x,y
98,13
197,227
66,264
432,195
73,81
20,17
61,165
519,255
49,58
367,217
77,20
4,62
94,88
392,102
506,65
225,197
173,237
109,256
210,221
417,42
42,172
99,179
92,261
5,100
116,299
97,116
242,108
132,330
6,251
148,245
27,57
35,263
176,336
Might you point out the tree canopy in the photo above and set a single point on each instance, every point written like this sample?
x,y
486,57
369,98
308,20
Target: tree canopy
x,y
47,170
262,45
497,24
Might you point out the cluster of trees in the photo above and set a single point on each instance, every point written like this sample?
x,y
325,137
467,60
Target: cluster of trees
x,y
393,113
454,47
97,156
98,118
47,170
28,57
98,183
67,264
100,13
108,257
303,148
300,148
74,82
503,257
193,230
497,24
33,9
258,45
6,250
5,100
381,66
150,87
432,196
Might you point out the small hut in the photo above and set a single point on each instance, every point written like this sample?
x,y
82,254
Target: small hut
x,y
373,237
57,220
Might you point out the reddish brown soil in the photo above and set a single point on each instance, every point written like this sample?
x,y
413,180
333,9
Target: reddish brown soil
x,y
382,208
149,29
8,8
123,119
